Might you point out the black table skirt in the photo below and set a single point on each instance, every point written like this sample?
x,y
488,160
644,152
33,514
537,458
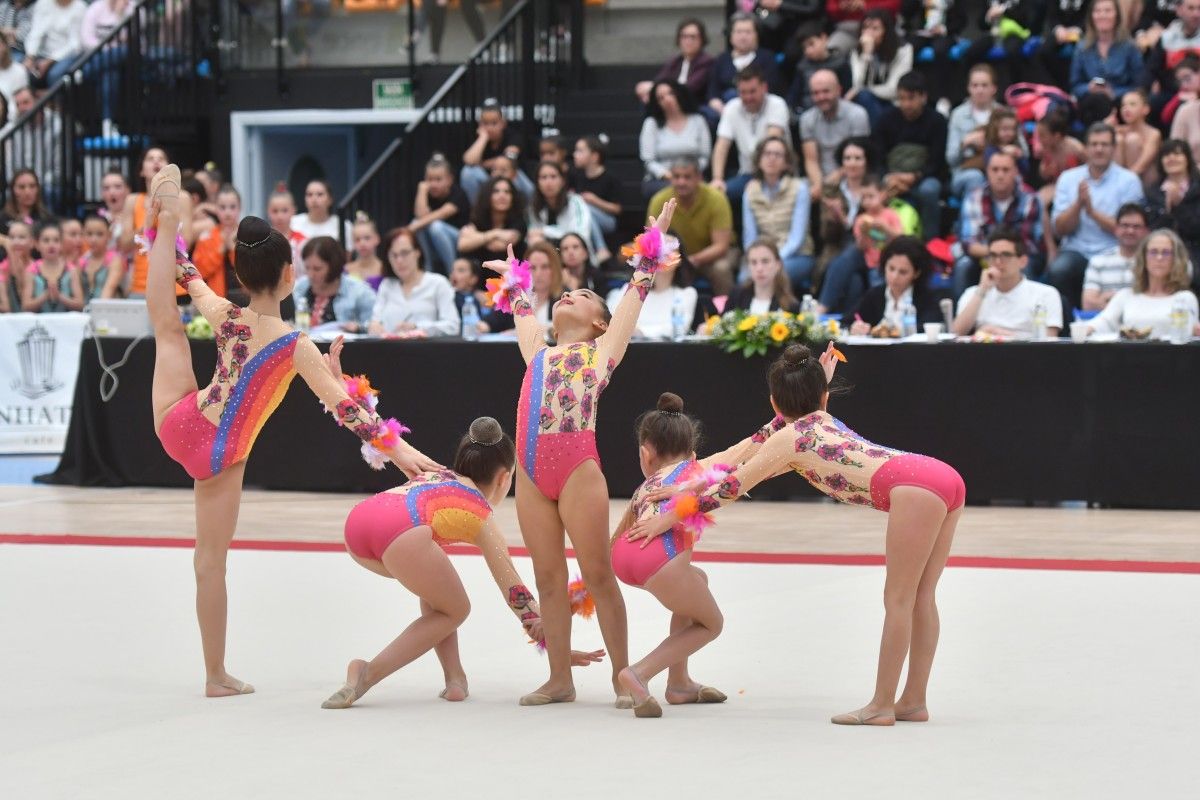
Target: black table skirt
x,y
1112,424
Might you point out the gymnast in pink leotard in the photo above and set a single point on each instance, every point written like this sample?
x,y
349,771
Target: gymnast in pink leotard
x,y
667,453
559,483
401,534
211,432
923,497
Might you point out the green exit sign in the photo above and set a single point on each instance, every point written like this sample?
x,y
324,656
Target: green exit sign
x,y
391,93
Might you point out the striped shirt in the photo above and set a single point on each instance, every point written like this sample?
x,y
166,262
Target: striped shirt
x,y
1109,271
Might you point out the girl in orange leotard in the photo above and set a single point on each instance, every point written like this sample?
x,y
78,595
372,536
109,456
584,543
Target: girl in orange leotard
x,y
922,496
400,534
210,432
559,483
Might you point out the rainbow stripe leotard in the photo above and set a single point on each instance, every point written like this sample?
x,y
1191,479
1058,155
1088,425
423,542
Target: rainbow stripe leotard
x,y
440,500
557,412
634,564
259,391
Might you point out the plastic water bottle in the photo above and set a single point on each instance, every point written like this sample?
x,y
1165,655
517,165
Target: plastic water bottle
x,y
470,320
808,305
908,317
302,318
1179,323
678,323
1039,321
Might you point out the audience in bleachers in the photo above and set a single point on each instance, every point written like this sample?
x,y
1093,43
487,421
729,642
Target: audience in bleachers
x,y
590,179
1159,290
692,66
332,295
440,211
672,129
1111,271
824,127
776,209
743,52
912,137
411,300
766,286
497,220
703,221
746,120
877,64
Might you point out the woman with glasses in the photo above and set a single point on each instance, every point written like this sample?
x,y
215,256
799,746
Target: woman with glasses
x,y
411,301
1159,291
775,207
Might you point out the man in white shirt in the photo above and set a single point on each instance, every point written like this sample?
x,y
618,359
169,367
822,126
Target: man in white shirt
x,y
747,120
1112,270
1005,302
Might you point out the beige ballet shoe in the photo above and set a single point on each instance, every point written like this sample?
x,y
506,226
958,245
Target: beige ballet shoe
x,y
646,709
167,176
451,685
860,718
543,699
920,714
345,696
624,702
235,688
705,694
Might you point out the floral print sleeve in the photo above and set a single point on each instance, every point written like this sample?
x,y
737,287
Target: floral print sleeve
x,y
770,460
366,424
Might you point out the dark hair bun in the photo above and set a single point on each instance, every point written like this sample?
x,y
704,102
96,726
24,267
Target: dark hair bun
x,y
486,431
668,401
252,230
795,355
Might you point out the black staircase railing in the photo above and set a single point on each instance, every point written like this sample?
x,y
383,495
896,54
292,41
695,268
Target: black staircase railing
x,y
526,64
151,73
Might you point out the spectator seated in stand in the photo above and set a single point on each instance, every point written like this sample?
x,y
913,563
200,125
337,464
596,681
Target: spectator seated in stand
x,y
848,276
467,279
506,166
743,52
747,120
934,28
776,208
13,76
546,272
826,126
1106,60
1065,20
766,287
965,131
577,269
692,67
51,285
703,221
1006,303
366,264
101,268
497,220
1175,203
1187,81
669,309
16,21
913,139
493,139
906,266
592,181
846,18
24,202
1159,290
554,148
1006,26
332,296
216,248
14,269
53,43
281,207
815,40
39,145
1111,271
319,219
672,129
1178,40
440,211
877,64
412,301
1086,198
556,210
1137,140
1003,202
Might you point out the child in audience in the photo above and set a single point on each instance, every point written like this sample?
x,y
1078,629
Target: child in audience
x,y
466,277
281,207
20,256
72,240
1137,141
51,284
874,227
366,265
815,41
101,268
598,188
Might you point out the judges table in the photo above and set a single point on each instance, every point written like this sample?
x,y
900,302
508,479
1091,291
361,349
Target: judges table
x,y
1107,423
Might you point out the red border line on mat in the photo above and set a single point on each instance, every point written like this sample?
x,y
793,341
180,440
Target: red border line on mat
x,y
979,562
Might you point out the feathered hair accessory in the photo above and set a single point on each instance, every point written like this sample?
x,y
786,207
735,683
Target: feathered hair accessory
x,y
500,290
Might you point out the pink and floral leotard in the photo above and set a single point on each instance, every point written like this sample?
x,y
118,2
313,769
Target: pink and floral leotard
x,y
841,464
455,511
214,428
556,413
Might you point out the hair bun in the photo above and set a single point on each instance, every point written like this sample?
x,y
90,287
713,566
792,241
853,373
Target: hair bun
x,y
253,230
795,355
670,402
485,431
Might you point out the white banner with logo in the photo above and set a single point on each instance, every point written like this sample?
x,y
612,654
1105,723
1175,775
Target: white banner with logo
x,y
39,359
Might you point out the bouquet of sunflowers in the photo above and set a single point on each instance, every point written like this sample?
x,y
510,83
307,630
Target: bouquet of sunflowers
x,y
753,334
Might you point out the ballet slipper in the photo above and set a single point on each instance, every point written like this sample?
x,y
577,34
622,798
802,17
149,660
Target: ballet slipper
x,y
167,176
624,702
461,686
648,707
920,714
705,694
345,696
860,718
543,699
233,688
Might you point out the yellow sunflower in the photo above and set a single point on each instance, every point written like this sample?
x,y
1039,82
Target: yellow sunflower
x,y
748,323
779,331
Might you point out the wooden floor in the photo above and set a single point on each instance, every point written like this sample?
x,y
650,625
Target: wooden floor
x,y
748,527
